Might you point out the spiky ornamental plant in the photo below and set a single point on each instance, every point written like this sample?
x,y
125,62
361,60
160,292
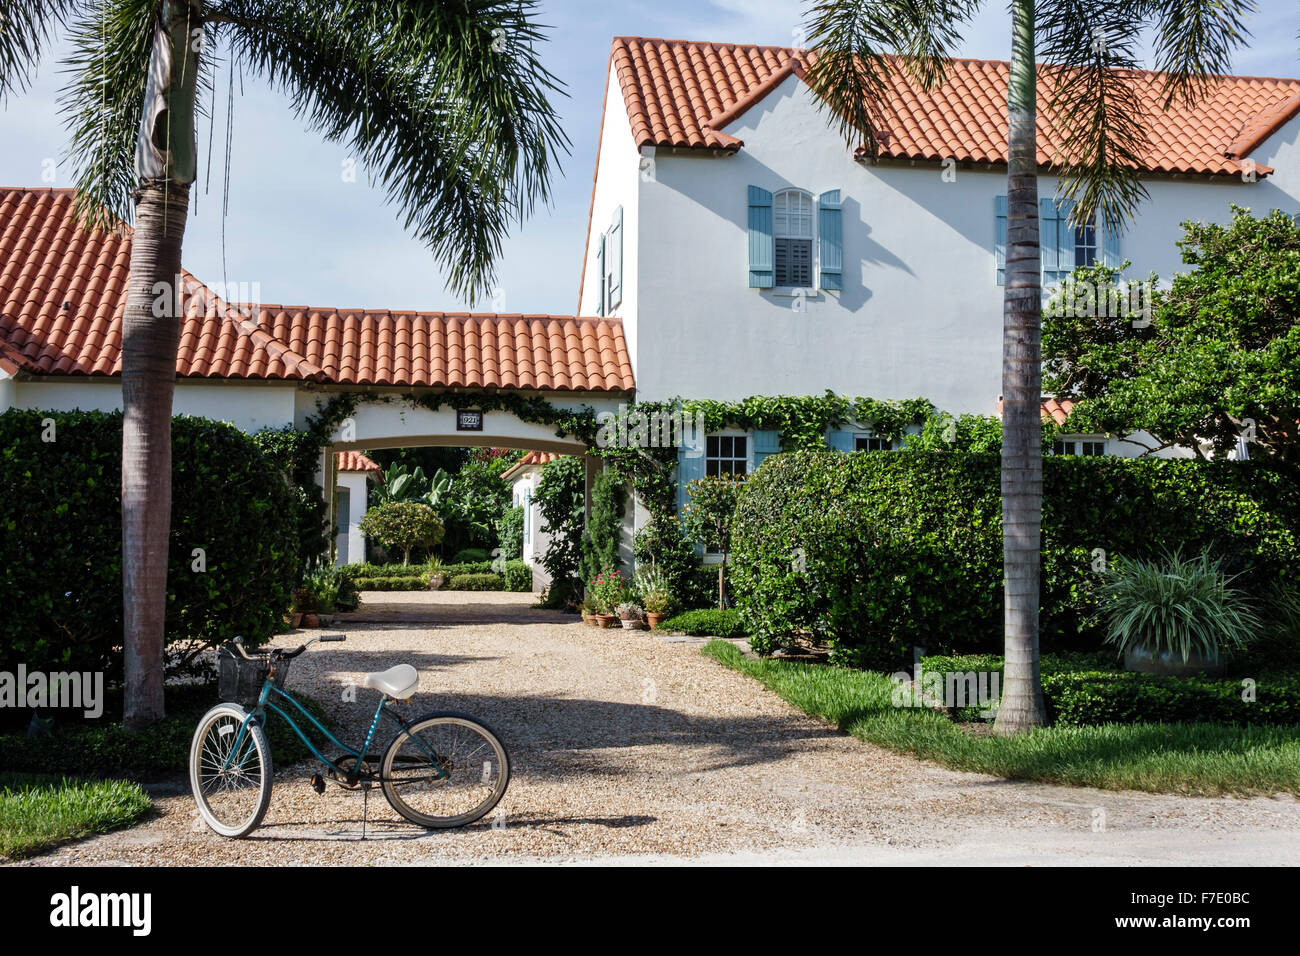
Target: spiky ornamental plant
x,y
1097,111
445,102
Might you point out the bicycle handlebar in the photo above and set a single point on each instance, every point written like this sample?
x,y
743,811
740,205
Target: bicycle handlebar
x,y
238,644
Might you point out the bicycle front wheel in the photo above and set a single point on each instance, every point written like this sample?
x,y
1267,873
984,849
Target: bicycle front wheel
x,y
230,772
447,770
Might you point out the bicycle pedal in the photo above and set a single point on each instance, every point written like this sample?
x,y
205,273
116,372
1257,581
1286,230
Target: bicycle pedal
x,y
318,783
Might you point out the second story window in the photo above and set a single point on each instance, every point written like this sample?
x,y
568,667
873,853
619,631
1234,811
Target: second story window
x,y
1073,446
792,235
1085,244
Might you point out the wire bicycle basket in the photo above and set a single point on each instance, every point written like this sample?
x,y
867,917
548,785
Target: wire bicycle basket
x,y
240,680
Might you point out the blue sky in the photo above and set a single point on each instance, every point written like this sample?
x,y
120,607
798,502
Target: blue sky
x,y
307,237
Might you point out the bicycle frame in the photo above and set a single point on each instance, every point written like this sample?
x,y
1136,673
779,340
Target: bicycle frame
x,y
264,702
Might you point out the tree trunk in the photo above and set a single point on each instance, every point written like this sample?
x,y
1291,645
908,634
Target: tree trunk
x,y
149,343
1022,707
151,322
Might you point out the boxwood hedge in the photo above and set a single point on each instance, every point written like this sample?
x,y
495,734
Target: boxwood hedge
x,y
61,546
876,553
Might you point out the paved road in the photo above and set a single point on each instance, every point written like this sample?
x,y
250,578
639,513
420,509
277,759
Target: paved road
x,y
630,749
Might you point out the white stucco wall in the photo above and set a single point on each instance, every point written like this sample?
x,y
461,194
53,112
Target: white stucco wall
x,y
536,538
355,484
920,313
249,407
617,180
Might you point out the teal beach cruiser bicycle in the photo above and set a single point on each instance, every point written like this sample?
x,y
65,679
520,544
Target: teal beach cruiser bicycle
x,y
440,770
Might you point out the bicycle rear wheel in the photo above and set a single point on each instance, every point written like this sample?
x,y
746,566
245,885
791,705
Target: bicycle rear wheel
x,y
230,777
447,771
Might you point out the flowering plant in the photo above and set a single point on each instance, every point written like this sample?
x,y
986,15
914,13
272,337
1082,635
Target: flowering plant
x,y
608,590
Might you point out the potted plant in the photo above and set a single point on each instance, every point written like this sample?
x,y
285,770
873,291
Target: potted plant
x,y
608,591
656,597
434,576
629,613
1175,616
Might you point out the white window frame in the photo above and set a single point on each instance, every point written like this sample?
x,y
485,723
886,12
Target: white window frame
x,y
811,237
1077,443
870,436
710,556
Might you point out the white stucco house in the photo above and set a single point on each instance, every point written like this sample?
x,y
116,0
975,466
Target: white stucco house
x,y
735,247
523,476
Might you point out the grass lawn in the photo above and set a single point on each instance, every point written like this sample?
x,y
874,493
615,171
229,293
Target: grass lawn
x,y
1202,759
38,812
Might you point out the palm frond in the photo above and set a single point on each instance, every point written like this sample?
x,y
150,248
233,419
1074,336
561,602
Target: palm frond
x,y
25,28
1194,40
103,103
1095,106
445,102
854,41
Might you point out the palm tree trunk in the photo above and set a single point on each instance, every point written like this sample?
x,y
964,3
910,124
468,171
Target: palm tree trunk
x,y
1022,458
149,343
151,323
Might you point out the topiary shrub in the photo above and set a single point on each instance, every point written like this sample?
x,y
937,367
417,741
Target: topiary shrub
x,y
233,552
706,622
403,525
518,576
477,582
874,554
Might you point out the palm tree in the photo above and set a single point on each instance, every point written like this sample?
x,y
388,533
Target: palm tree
x,y
446,103
1098,115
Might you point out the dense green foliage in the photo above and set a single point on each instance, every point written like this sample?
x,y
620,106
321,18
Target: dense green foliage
x,y
390,583
477,582
1220,357
876,553
510,533
1089,690
560,498
61,547
600,540
707,622
403,525
707,518
476,500
38,812
1163,758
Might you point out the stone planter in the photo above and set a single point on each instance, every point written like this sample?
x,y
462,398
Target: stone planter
x,y
436,581
1165,664
654,620
631,623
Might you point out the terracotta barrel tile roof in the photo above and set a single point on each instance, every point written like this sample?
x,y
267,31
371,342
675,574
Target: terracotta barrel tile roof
x,y
355,461
1057,411
532,458
680,93
63,290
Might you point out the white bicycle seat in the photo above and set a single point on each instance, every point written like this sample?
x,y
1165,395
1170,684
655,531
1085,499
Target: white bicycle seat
x,y
396,682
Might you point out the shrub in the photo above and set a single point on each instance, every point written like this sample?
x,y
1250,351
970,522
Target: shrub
x,y
471,556
607,591
600,540
404,525
61,540
1083,690
876,553
560,497
1175,605
476,582
390,584
510,533
707,622
518,576
708,516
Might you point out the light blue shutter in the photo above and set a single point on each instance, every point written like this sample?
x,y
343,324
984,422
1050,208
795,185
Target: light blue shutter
x,y
765,443
1065,240
600,273
830,234
840,440
760,238
1049,239
688,470
616,259
1111,254
1000,236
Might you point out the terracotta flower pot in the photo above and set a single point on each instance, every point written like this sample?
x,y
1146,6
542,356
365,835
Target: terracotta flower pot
x,y
605,620
310,619
654,620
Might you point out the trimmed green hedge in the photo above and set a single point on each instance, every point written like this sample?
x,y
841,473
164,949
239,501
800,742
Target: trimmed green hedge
x,y
515,576
389,584
518,576
1080,691
61,538
706,622
477,582
876,553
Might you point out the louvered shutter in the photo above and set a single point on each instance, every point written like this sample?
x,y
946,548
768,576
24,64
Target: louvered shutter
x,y
830,234
766,442
1000,236
600,276
615,257
760,238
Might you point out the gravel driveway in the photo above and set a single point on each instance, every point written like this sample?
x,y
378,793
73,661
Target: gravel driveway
x,y
627,745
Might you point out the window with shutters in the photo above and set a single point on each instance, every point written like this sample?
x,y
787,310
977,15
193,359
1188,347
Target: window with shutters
x,y
726,455
871,443
792,239
1085,244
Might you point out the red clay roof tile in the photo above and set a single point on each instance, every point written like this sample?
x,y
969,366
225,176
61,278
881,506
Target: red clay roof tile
x,y
355,461
47,259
